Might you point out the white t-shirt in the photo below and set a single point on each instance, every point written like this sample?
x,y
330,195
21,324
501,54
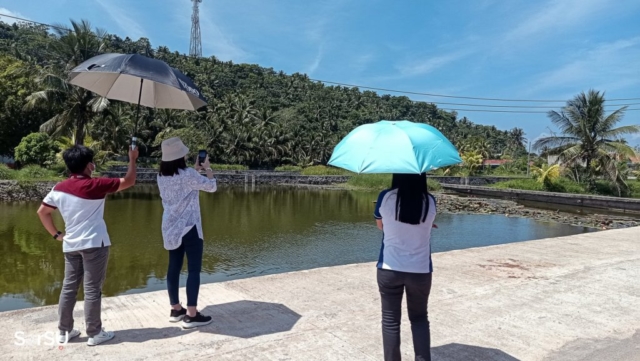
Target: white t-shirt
x,y
80,200
405,247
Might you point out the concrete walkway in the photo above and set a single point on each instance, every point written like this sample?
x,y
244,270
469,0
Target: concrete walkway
x,y
571,298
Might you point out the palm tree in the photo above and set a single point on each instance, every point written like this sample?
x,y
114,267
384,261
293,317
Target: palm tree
x,y
546,174
589,137
72,46
77,106
78,43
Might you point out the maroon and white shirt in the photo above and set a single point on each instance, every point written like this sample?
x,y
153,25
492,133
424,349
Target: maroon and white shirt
x,y
80,200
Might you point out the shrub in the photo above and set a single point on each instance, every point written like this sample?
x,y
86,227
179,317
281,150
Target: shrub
x,y
324,170
566,185
634,189
59,168
433,185
6,172
288,168
35,172
37,148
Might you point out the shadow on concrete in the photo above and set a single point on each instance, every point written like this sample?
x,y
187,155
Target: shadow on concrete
x,y
460,352
138,335
247,319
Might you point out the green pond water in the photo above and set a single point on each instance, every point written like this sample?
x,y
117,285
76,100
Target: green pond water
x,y
248,233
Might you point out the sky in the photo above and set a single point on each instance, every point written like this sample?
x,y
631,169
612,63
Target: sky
x,y
506,49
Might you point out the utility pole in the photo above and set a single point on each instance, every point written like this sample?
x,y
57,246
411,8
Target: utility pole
x,y
528,157
195,45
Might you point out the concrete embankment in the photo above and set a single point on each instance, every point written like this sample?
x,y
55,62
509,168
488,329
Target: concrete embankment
x,y
562,299
576,200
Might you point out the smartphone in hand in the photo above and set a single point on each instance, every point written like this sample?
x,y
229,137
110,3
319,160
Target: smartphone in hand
x,y
202,155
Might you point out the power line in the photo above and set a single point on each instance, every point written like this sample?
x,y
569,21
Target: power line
x,y
501,111
518,106
454,96
436,95
35,22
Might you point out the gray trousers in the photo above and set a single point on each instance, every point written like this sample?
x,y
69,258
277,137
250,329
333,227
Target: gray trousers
x,y
393,285
90,265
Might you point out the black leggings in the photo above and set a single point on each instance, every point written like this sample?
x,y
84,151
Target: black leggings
x,y
392,285
192,246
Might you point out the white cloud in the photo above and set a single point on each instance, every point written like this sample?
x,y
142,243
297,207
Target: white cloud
x,y
361,62
129,26
429,65
10,13
316,62
606,67
553,16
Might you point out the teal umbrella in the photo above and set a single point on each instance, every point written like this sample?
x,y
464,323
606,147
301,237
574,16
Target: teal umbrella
x,y
394,147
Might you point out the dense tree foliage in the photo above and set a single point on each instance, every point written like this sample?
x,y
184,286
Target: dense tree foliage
x,y
256,116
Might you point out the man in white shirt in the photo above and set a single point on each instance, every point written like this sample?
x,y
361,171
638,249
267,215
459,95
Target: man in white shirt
x,y
80,200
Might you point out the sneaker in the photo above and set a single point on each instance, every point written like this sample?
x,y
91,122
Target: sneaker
x,y
197,321
103,336
68,336
177,316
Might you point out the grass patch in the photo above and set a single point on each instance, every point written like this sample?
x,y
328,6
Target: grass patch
x,y
370,181
223,167
560,185
383,181
288,168
523,184
324,170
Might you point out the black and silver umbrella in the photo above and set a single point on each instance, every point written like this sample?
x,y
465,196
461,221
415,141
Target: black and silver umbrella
x,y
139,80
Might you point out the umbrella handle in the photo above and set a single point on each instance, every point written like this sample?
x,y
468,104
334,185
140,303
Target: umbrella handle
x,y
135,129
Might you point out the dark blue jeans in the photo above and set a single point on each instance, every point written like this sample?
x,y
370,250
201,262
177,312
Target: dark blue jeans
x,y
192,246
393,285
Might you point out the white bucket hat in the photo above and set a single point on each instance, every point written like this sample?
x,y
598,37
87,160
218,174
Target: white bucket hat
x,y
173,149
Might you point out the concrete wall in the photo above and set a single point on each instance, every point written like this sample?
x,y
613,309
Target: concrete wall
x,y
271,177
580,200
244,177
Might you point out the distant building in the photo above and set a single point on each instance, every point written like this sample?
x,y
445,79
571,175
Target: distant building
x,y
494,163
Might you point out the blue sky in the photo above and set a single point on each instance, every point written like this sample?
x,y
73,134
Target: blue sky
x,y
515,49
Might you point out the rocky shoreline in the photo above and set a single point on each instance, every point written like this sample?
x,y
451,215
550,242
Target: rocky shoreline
x,y
14,191
466,205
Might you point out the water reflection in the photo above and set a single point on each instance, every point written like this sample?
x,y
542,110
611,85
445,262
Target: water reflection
x,y
247,233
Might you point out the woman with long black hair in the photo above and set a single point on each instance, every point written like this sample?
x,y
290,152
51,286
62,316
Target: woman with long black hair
x,y
182,226
405,213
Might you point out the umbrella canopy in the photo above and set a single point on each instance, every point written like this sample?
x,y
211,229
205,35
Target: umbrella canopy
x,y
137,79
394,147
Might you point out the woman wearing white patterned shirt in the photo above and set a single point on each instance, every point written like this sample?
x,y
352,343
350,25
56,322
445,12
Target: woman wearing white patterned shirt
x,y
182,226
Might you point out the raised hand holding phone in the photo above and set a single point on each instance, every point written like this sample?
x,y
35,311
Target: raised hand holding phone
x,y
202,154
